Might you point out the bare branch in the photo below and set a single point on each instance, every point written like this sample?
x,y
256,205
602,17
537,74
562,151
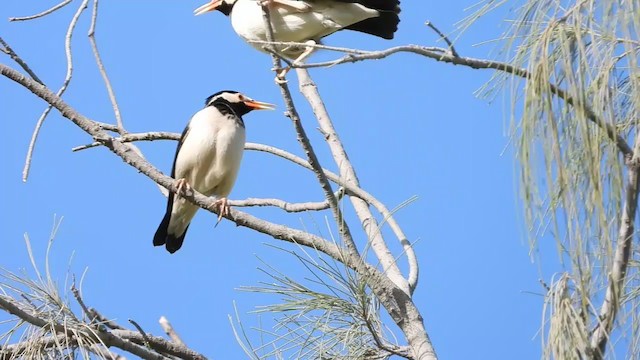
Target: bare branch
x,y
286,206
148,136
123,339
624,244
168,329
103,71
443,56
303,139
14,56
351,189
397,303
130,157
347,172
101,320
63,88
145,338
78,297
44,13
444,37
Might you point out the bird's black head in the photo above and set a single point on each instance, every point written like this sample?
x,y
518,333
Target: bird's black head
x,y
224,6
237,102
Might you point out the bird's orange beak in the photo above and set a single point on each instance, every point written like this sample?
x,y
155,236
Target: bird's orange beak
x,y
210,6
259,105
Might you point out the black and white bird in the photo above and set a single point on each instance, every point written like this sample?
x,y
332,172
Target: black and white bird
x,y
207,159
307,21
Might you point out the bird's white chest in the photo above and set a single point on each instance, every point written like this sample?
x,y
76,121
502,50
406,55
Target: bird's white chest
x,y
211,153
290,25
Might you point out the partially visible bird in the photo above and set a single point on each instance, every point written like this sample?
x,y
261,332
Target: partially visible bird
x,y
307,21
207,159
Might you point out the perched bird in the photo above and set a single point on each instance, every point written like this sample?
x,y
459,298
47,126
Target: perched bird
x,y
207,159
307,21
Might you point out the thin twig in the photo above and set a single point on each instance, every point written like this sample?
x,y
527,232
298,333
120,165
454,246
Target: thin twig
x,y
14,56
444,37
347,172
44,13
170,331
303,139
351,189
78,297
144,334
443,55
101,319
109,339
148,136
63,88
103,71
286,206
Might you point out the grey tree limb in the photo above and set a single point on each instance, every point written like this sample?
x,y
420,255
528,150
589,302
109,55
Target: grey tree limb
x,y
102,70
443,55
63,88
348,173
44,13
15,57
624,244
303,139
170,331
395,299
106,338
351,189
397,303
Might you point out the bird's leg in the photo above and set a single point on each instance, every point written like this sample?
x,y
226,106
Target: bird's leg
x,y
293,4
310,46
223,208
183,186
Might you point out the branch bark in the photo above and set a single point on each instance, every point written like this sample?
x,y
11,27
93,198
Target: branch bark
x,y
348,173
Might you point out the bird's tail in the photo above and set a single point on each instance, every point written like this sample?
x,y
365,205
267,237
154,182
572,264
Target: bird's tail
x,y
383,26
163,237
382,5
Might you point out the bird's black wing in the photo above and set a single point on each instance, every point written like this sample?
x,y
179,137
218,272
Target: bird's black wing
x,y
161,237
382,5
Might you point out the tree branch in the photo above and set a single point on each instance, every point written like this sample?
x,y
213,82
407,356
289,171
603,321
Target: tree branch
x,y
347,172
303,139
14,56
130,157
103,71
63,88
442,55
44,13
168,329
611,304
351,189
107,338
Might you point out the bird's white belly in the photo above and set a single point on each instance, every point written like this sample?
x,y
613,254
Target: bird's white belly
x,y
290,25
210,157
209,160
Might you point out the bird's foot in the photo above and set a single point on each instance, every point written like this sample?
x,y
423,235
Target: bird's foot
x,y
281,77
222,207
183,186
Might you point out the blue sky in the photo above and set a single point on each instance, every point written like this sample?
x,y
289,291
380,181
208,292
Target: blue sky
x,y
412,127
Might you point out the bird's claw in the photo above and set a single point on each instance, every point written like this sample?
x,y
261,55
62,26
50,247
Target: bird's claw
x,y
183,186
281,76
222,207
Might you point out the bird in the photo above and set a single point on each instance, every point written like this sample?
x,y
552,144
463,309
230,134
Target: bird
x,y
207,159
306,21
